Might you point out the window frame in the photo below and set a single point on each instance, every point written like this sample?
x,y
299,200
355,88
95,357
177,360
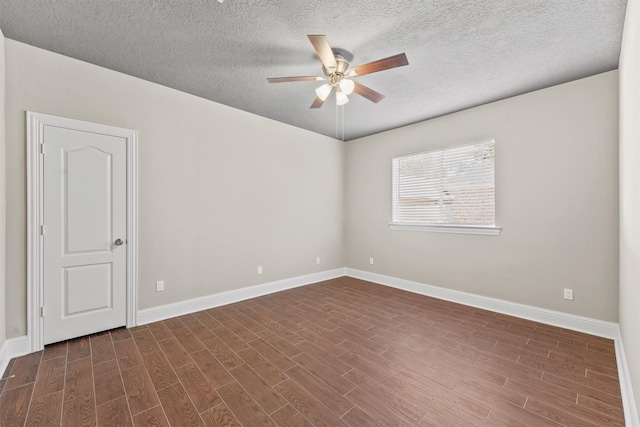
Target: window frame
x,y
489,230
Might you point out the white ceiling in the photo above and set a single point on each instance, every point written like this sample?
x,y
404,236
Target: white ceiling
x,y
461,53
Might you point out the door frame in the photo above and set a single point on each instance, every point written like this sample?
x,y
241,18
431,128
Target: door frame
x,y
35,209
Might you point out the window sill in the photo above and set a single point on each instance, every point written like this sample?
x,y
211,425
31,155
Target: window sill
x,y
456,229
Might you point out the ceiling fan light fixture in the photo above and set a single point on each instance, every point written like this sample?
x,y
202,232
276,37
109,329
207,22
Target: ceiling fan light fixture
x,y
347,86
324,91
341,97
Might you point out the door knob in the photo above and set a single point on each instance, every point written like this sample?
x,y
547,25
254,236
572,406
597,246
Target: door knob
x,y
119,242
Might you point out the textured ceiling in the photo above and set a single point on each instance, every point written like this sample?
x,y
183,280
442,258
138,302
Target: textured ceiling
x,y
461,53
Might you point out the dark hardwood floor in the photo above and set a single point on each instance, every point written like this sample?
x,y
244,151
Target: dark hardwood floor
x,y
338,353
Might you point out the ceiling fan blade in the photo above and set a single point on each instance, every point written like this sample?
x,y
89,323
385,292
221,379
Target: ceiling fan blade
x,y
323,50
368,93
317,103
294,79
382,64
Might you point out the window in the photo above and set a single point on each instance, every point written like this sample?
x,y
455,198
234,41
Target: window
x,y
450,190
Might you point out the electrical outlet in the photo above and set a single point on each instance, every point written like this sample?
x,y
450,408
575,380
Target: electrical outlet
x,y
318,260
160,286
371,261
260,269
568,294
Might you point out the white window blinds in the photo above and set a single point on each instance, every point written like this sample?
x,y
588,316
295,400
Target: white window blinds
x,y
451,186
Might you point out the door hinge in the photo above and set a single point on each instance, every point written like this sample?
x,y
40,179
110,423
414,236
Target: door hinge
x,y
42,230
42,148
42,311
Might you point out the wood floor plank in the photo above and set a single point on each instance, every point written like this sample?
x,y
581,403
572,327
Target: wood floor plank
x,y
273,355
102,349
45,411
556,415
515,416
324,373
612,411
50,377
173,323
283,346
288,416
208,321
223,353
140,392
159,369
79,379
329,359
120,334
108,383
308,405
145,341
154,417
320,390
178,407
114,413
490,394
127,354
199,389
175,353
230,339
263,393
248,323
356,417
78,348
244,407
410,403
211,368
540,389
186,338
51,351
377,409
220,416
584,387
25,370
14,404
159,331
198,329
267,370
80,411
240,330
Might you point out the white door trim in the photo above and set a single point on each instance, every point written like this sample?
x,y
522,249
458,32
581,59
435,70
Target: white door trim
x,y
35,126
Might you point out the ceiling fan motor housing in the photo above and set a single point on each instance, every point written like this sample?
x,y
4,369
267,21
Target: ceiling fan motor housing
x,y
342,67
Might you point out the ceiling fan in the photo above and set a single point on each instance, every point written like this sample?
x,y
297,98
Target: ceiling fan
x,y
339,72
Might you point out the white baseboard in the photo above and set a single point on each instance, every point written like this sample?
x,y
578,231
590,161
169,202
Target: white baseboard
x,y
180,308
13,347
628,402
556,318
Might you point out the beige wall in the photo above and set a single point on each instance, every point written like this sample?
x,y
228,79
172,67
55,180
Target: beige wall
x,y
557,201
3,210
630,193
221,191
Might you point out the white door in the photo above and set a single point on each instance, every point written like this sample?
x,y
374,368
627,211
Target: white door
x,y
84,181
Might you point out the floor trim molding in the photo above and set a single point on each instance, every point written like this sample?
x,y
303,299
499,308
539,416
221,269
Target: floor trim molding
x,y
587,325
628,402
13,347
180,308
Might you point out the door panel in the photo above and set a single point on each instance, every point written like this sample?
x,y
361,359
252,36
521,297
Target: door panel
x,y
87,289
84,214
87,199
